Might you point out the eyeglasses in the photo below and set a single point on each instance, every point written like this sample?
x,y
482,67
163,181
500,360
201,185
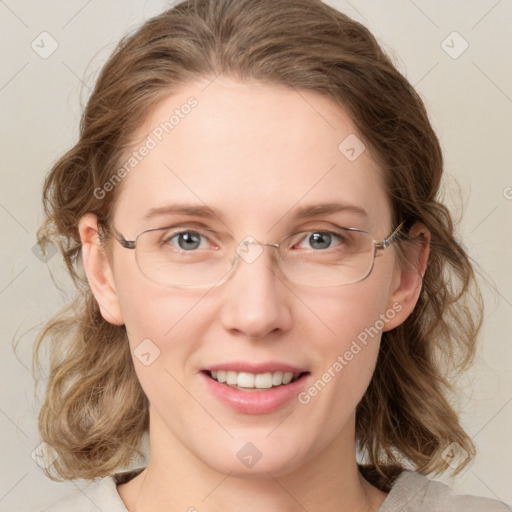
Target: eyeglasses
x,y
184,257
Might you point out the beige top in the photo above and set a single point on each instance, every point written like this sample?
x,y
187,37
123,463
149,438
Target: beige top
x,y
411,492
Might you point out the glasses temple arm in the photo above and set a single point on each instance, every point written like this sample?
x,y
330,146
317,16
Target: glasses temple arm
x,y
127,244
387,242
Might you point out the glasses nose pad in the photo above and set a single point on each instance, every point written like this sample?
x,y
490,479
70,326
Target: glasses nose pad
x,y
249,249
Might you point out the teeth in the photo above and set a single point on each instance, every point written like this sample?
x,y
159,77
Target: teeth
x,y
231,378
287,377
246,380
251,380
277,378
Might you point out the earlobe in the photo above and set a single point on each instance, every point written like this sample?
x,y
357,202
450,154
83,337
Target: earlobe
x,y
98,270
410,279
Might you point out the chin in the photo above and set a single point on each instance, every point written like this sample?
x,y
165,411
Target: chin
x,y
246,459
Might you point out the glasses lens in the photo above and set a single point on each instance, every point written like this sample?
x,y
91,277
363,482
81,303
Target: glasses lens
x,y
176,257
330,259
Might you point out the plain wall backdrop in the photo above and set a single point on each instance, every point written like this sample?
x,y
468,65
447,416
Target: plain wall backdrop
x,y
456,54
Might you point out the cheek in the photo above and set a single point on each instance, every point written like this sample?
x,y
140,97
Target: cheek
x,y
348,313
150,311
353,320
165,330
164,325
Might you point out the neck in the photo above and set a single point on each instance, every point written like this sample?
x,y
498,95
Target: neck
x,y
177,480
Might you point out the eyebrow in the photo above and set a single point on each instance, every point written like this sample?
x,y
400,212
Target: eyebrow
x,y
327,208
194,211
303,212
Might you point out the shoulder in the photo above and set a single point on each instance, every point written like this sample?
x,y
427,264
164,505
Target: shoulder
x,y
413,492
98,495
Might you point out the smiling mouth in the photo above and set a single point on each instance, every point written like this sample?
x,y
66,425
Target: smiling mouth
x,y
247,380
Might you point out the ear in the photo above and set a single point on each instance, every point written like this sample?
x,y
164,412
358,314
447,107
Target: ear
x,y
98,270
408,282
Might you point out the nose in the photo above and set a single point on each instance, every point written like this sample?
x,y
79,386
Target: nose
x,y
256,300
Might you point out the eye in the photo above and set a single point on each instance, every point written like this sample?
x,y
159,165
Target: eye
x,y
186,240
320,240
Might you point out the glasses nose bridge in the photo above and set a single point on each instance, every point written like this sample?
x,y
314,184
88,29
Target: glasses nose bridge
x,y
265,244
249,240
249,250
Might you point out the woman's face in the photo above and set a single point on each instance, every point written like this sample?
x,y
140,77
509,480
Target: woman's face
x,y
256,155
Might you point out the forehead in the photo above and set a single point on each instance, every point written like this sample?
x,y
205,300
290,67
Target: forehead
x,y
250,151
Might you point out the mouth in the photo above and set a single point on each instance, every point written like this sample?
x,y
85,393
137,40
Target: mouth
x,y
255,388
246,381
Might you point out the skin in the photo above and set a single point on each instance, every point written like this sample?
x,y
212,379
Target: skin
x,y
254,153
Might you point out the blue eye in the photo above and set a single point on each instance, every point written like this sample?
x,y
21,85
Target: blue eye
x,y
320,240
186,240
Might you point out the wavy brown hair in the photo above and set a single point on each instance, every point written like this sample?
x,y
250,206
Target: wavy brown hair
x,y
95,412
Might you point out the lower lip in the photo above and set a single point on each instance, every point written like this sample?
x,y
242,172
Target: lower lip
x,y
260,401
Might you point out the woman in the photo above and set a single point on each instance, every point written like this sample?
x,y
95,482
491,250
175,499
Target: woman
x,y
267,278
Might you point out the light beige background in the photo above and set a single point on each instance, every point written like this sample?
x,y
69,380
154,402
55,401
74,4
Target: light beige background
x,y
470,101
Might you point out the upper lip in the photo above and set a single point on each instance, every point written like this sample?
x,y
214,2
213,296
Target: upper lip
x,y
241,366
